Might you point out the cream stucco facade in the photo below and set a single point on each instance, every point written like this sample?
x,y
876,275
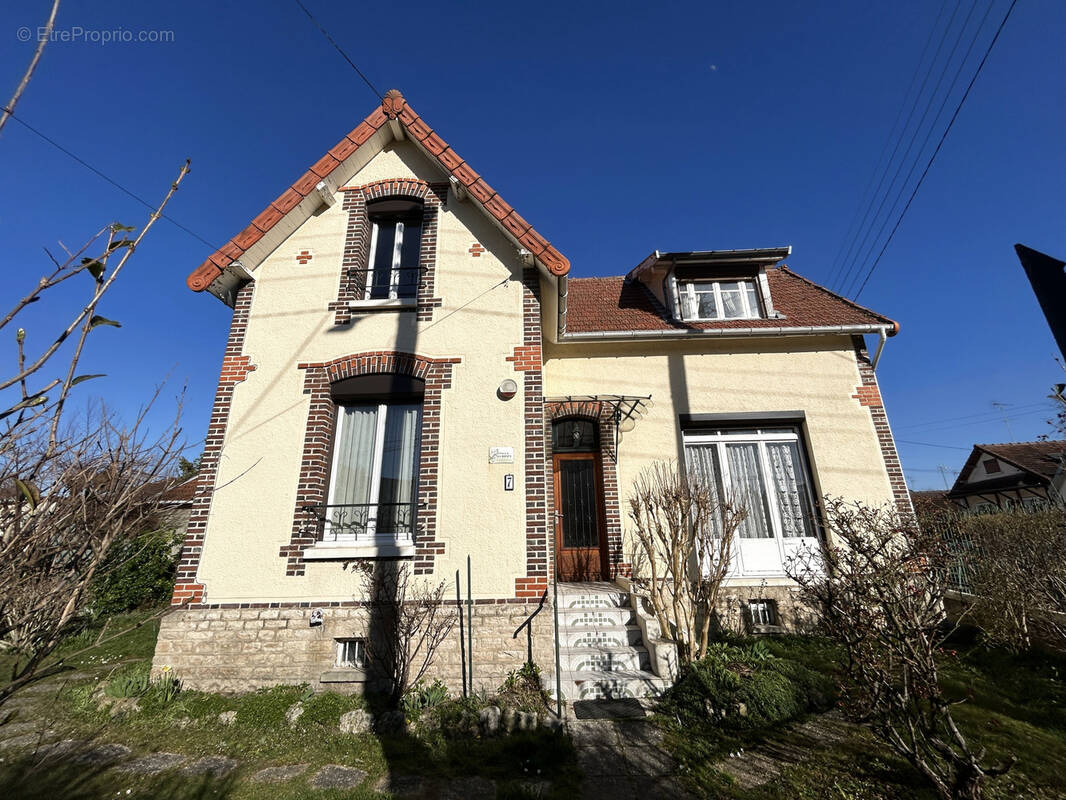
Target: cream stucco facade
x,y
490,315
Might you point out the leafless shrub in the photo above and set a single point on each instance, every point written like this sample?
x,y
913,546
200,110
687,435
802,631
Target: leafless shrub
x,y
1010,566
67,493
409,620
879,586
684,540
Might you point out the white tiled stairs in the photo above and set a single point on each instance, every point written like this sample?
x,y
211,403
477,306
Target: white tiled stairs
x,y
601,645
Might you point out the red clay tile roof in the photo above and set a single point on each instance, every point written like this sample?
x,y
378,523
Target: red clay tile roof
x,y
184,492
393,107
613,304
1040,458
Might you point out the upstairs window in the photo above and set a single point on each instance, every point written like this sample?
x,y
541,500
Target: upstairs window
x,y
715,300
395,244
991,466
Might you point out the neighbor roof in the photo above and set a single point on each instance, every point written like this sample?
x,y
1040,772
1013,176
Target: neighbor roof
x,y
1039,458
395,110
619,304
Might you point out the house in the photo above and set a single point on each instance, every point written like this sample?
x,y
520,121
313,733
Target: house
x,y
413,374
1001,476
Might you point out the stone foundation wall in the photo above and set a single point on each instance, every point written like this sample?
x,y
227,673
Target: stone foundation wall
x,y
242,649
793,615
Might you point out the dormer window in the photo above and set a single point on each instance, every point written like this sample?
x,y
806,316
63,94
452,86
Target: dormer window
x,y
719,299
395,244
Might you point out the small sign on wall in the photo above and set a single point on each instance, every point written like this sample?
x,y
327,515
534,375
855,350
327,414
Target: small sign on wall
x,y
508,482
501,455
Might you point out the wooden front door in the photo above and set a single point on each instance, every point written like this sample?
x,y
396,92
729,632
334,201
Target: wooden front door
x,y
580,533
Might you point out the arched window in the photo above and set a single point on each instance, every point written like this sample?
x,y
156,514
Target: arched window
x,y
373,489
395,244
575,435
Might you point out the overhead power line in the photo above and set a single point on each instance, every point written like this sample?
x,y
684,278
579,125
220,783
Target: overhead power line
x,y
993,414
337,47
862,255
100,174
930,444
940,144
854,234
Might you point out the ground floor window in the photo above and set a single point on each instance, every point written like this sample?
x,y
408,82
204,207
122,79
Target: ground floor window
x,y
373,483
764,470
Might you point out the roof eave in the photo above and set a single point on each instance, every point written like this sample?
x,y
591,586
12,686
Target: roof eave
x,y
722,333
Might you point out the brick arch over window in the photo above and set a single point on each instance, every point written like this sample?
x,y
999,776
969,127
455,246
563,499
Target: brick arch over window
x,y
356,259
313,488
601,413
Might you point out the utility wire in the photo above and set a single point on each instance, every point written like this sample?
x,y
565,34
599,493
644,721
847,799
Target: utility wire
x,y
112,181
854,232
940,144
1012,408
337,47
869,243
930,444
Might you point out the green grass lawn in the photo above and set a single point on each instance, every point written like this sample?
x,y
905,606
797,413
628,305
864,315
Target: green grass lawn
x,y
1012,705
260,736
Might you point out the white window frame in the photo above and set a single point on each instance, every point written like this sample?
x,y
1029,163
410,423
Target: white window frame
x,y
344,663
763,611
372,542
394,276
761,437
687,292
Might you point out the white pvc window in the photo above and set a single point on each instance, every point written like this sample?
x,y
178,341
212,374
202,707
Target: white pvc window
x,y
351,653
714,300
764,471
373,483
763,612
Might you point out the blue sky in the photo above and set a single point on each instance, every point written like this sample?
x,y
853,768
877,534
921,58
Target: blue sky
x,y
615,128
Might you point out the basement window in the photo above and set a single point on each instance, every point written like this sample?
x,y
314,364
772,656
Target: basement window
x,y
351,653
762,612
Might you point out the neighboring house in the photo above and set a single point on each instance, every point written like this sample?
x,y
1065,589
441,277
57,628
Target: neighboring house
x,y
175,506
412,373
1001,476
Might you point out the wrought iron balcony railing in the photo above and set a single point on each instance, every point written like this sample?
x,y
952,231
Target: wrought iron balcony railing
x,y
362,522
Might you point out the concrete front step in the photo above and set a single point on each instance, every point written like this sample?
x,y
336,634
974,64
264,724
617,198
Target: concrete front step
x,y
591,595
605,636
614,685
605,659
608,617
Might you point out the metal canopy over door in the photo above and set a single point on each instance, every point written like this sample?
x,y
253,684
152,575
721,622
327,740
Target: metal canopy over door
x,y
580,532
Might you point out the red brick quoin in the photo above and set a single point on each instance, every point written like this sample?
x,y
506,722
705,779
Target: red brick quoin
x,y
869,395
235,368
527,359
318,444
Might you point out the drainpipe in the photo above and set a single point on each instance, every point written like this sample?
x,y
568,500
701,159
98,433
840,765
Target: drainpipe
x,y
563,288
880,347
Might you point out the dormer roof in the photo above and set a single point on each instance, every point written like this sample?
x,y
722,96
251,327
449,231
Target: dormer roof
x,y
622,305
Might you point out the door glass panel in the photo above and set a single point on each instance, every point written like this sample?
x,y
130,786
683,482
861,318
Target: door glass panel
x,y
399,470
747,482
352,479
578,494
790,486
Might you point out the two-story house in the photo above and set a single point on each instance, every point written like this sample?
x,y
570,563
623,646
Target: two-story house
x,y
412,373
